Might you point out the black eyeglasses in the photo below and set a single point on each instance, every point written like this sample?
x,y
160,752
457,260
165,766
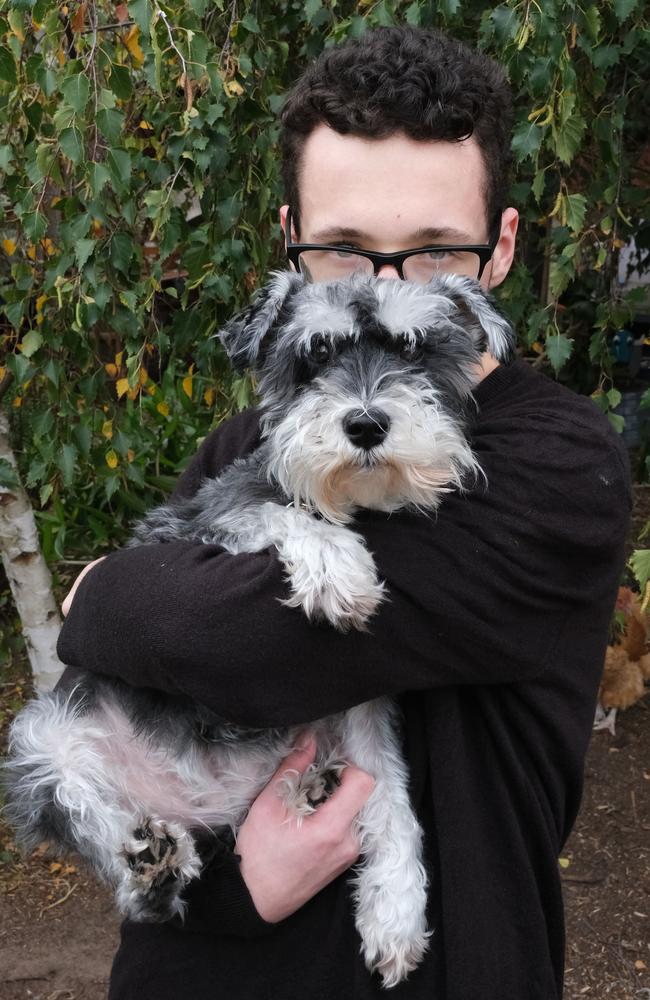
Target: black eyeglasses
x,y
334,260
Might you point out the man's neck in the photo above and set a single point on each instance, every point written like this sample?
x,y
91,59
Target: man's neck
x,y
487,365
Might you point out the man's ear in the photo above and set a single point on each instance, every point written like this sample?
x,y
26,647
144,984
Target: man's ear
x,y
244,334
467,294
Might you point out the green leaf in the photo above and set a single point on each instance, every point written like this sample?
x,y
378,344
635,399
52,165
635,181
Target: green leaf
x,y
412,14
576,207
537,187
31,343
312,8
35,226
66,462
640,566
118,162
109,122
604,56
558,350
120,82
71,143
591,19
250,22
76,91
526,140
140,11
98,177
121,251
7,66
623,8
567,139
229,211
83,251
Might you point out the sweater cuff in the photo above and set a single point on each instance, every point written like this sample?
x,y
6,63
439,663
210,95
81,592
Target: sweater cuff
x,y
219,901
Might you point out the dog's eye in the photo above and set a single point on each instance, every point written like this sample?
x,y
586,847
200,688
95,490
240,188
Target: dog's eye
x,y
320,351
409,350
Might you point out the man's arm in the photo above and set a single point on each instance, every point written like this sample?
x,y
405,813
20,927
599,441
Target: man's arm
x,y
477,594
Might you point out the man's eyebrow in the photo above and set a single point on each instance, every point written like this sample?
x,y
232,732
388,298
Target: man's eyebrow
x,y
430,234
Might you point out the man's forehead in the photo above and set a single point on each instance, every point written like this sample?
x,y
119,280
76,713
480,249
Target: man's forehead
x,y
388,189
339,232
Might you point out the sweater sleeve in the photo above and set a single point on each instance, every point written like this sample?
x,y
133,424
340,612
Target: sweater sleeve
x,y
478,594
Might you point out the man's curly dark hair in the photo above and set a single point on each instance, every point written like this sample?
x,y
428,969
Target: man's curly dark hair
x,y
402,79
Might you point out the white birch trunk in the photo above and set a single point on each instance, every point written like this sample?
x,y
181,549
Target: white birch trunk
x,y
28,575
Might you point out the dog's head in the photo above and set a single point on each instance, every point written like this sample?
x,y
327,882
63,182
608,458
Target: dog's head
x,y
365,385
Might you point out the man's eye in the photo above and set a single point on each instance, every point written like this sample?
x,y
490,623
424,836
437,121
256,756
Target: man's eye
x,y
437,254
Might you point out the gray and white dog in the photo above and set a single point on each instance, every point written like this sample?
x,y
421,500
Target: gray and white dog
x,y
366,394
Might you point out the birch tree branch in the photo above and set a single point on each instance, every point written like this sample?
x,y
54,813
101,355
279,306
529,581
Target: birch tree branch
x,y
28,575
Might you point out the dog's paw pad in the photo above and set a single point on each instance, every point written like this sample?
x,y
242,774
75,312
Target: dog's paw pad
x,y
158,851
303,793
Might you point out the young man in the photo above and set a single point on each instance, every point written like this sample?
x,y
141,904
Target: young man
x,y
494,634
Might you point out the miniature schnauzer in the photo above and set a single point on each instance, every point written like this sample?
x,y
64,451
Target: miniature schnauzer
x,y
366,400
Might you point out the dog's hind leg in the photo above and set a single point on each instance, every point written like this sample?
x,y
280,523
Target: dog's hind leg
x,y
62,787
390,883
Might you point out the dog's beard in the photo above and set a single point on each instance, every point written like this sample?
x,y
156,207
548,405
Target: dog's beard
x,y
424,455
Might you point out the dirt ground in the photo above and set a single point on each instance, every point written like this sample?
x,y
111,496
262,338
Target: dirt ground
x,y
58,930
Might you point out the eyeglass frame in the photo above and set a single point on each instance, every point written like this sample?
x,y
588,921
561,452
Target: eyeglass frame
x,y
484,251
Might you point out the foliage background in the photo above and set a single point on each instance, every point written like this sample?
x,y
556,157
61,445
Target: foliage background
x,y
139,201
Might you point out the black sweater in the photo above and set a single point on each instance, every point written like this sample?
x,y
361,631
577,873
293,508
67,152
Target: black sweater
x,y
493,640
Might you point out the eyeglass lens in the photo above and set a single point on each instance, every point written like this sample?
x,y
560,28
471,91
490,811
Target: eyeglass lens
x,y
328,265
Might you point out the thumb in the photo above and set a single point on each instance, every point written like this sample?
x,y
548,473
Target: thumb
x,y
300,757
298,761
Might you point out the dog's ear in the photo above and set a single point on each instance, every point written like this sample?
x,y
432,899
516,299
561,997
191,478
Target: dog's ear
x,y
468,295
244,334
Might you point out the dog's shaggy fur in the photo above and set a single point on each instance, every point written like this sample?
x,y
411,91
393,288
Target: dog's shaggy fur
x,y
366,391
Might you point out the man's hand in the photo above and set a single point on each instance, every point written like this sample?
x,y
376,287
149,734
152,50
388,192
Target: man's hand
x,y
65,607
283,864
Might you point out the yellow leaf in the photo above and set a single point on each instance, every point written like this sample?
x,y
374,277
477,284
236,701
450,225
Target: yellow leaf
x,y
145,126
111,459
31,251
163,409
640,965
118,358
2,373
55,867
130,454
132,42
121,386
143,375
233,88
49,246
18,401
107,429
111,370
187,385
564,862
40,302
133,393
9,247
209,395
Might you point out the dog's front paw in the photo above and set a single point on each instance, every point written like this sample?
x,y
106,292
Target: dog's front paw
x,y
160,860
334,578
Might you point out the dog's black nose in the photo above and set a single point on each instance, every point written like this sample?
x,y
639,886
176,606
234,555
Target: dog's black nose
x,y
366,428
